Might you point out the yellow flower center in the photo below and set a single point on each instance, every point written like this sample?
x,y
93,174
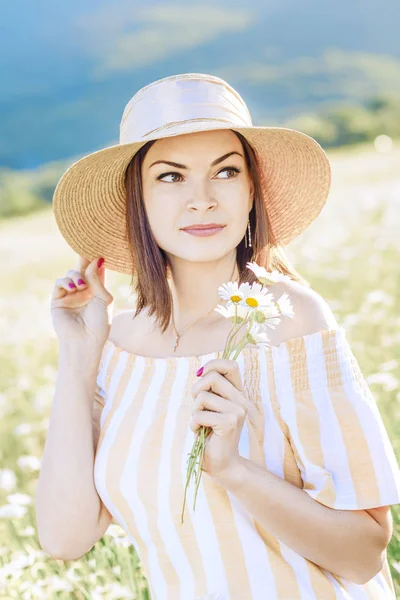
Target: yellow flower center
x,y
235,298
252,302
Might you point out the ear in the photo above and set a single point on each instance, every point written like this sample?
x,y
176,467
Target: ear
x,y
251,196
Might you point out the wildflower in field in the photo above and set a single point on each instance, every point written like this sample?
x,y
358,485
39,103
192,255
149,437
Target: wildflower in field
x,y
112,591
21,499
379,297
23,429
391,365
57,584
8,480
29,531
12,511
388,381
29,463
115,531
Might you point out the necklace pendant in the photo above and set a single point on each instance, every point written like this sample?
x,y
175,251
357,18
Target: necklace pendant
x,y
176,342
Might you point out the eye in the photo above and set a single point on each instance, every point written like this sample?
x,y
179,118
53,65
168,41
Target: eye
x,y
161,177
234,169
175,173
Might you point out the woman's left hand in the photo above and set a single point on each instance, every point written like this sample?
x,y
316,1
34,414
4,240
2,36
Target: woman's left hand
x,y
220,390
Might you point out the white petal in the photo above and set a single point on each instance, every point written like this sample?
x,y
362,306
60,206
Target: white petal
x,y
222,310
257,269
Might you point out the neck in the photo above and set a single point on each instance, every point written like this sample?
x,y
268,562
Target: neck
x,y
194,289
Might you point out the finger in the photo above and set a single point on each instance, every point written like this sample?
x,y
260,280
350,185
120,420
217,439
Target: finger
x,y
62,287
83,263
209,401
216,383
66,283
228,368
95,276
218,421
103,275
77,278
214,403
220,385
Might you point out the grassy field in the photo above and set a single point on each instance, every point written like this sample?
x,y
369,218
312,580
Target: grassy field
x,y
351,256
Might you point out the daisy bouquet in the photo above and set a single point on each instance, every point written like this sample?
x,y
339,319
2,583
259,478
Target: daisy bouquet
x,y
252,310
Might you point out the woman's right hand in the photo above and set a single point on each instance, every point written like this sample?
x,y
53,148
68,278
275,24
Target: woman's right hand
x,y
81,313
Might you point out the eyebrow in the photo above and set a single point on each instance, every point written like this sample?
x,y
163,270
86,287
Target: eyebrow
x,y
179,166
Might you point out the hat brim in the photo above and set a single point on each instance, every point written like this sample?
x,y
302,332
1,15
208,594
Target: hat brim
x,y
89,200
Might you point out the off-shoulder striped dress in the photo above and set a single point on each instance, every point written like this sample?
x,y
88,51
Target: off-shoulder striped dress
x,y
311,420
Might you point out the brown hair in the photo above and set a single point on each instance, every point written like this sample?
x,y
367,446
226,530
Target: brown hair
x,y
151,263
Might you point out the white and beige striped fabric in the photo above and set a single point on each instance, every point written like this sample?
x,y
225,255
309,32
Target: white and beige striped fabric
x,y
312,420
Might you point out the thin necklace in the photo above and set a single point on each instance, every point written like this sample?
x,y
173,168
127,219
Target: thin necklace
x,y
178,336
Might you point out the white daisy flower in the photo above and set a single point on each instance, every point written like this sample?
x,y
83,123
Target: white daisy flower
x,y
272,322
229,312
264,313
256,296
266,277
258,335
230,291
285,306
268,317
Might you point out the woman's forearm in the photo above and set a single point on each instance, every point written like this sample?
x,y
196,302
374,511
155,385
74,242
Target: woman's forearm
x,y
67,504
347,543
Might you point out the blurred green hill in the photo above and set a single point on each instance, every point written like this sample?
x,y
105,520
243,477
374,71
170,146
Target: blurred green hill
x,y
67,70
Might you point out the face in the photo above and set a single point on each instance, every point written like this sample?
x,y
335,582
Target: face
x,y
200,187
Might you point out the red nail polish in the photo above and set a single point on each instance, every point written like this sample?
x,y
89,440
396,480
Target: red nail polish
x,y
71,285
81,282
200,372
100,262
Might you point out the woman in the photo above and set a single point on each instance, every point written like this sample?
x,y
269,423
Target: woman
x,y
298,474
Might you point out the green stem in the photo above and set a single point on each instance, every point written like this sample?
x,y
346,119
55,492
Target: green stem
x,y
243,341
231,336
231,343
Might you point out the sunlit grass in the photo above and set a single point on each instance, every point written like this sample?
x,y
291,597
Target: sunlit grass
x,y
349,255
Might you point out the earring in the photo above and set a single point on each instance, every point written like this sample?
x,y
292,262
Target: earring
x,y
249,234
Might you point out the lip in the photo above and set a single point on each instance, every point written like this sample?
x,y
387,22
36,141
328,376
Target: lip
x,y
203,226
204,230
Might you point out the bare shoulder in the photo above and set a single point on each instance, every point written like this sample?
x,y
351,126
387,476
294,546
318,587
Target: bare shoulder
x,y
312,312
126,325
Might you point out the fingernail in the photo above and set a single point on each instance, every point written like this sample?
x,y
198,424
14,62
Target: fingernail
x,y
72,285
81,282
100,262
200,372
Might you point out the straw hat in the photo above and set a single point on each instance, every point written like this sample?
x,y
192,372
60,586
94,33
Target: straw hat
x,y
89,200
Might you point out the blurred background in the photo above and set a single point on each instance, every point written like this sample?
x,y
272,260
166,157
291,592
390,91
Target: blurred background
x,y
331,70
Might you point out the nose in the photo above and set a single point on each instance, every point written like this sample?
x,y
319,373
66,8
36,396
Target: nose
x,y
201,198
